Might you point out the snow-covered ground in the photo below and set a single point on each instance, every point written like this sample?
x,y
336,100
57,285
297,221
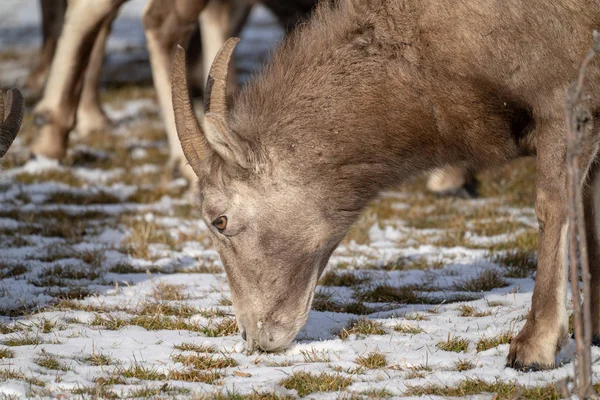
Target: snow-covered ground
x,y
110,288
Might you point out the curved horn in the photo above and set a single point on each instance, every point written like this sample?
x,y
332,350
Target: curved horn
x,y
11,116
215,94
190,134
192,138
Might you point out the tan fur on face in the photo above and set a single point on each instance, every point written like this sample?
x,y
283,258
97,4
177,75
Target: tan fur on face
x,y
258,222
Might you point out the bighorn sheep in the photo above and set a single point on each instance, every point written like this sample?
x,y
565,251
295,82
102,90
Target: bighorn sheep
x,y
71,95
11,115
367,95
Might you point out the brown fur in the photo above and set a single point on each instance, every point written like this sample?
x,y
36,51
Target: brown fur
x,y
372,93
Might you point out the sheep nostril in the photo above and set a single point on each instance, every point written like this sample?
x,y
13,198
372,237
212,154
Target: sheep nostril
x,y
244,334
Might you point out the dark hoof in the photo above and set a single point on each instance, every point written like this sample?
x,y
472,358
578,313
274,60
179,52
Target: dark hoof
x,y
595,340
517,365
467,192
462,193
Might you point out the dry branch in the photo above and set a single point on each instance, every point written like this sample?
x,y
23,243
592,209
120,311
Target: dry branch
x,y
576,118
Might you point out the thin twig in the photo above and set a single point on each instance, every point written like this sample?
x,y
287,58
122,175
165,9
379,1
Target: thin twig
x,y
576,119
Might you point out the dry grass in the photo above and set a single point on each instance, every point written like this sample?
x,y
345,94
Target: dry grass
x,y
197,376
464,365
362,327
405,264
162,391
368,394
204,362
305,383
153,317
140,372
95,392
252,396
524,242
225,301
98,359
335,278
22,340
109,322
418,371
11,270
454,344
315,356
410,294
512,182
408,329
119,96
165,291
517,263
489,343
391,294
373,360
227,327
143,233
469,311
162,308
8,374
163,322
50,361
500,390
64,275
110,380
323,302
6,353
65,176
89,198
487,280
73,231
70,304
46,326
124,268
198,348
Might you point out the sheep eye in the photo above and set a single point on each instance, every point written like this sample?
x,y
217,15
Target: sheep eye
x,y
220,223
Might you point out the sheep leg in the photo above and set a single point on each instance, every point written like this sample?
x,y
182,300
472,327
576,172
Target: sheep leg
x,y
55,114
167,25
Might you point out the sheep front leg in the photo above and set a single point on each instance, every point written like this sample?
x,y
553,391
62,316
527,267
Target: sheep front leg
x,y
167,25
90,115
53,15
546,328
216,27
55,114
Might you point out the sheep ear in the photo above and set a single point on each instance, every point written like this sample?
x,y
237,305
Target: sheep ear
x,y
232,148
11,116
